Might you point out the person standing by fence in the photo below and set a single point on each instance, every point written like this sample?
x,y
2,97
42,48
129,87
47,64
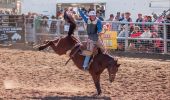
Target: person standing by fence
x,y
53,26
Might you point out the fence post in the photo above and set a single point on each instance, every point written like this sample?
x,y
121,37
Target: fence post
x,y
165,39
59,22
25,30
34,31
126,37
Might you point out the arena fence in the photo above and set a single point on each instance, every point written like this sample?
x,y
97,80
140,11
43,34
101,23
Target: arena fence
x,y
131,37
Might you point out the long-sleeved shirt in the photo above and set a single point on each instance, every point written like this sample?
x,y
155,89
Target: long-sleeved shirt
x,y
85,18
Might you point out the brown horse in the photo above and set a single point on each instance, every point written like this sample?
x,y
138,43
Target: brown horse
x,y
100,61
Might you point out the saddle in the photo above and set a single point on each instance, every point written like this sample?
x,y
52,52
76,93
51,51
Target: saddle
x,y
86,52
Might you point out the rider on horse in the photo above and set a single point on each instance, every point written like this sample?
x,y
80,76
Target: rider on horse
x,y
94,29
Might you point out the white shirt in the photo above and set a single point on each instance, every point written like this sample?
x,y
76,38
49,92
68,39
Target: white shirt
x,y
146,34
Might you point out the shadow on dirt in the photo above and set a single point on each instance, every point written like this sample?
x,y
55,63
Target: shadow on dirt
x,y
72,98
156,56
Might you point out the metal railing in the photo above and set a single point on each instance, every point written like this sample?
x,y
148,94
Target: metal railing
x,y
150,37
132,37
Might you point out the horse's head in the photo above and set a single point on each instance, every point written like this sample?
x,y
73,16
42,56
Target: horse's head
x,y
64,44
112,69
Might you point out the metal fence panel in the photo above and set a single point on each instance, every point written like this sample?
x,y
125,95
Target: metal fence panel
x,y
138,37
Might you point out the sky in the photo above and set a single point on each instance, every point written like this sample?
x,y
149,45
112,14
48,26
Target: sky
x,y
134,6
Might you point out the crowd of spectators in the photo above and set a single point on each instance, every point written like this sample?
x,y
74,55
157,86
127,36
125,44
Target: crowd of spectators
x,y
142,27
135,30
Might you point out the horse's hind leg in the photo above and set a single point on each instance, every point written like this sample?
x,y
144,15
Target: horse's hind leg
x,y
47,44
50,44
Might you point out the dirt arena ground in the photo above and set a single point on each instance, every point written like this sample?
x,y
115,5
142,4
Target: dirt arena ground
x,y
33,75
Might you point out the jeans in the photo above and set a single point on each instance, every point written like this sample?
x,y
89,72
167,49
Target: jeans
x,y
86,62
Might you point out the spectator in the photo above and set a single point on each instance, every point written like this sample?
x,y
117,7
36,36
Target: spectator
x,y
111,18
123,32
136,33
59,13
145,18
157,44
150,25
127,17
168,30
118,16
168,26
160,19
53,25
102,11
149,18
134,44
44,28
139,19
146,33
38,24
155,16
144,25
85,11
98,14
122,17
115,26
90,9
44,24
145,44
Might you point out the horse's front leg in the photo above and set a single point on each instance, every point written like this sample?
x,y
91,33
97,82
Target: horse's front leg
x,y
96,79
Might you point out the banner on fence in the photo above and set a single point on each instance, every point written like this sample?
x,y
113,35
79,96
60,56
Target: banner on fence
x,y
12,34
13,29
109,39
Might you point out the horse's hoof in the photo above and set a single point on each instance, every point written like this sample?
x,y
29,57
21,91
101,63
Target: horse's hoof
x,y
40,48
36,47
95,95
100,93
46,41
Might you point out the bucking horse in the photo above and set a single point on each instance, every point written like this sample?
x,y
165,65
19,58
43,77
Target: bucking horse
x,y
99,62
